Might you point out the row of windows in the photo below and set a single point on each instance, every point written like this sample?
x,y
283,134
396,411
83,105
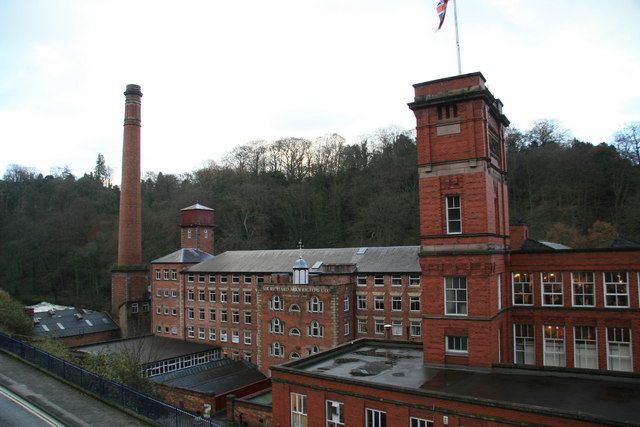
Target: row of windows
x,y
223,278
615,289
394,280
167,311
314,329
173,293
205,232
224,315
585,347
335,414
394,328
379,302
276,349
223,336
166,274
314,305
175,364
224,296
135,308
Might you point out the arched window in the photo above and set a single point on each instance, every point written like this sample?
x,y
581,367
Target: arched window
x,y
276,349
294,355
315,330
294,331
313,350
275,326
315,305
294,307
276,303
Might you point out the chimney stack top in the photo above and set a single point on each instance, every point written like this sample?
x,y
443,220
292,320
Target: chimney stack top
x,y
133,89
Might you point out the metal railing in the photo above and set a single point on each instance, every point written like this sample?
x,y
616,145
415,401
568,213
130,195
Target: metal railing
x,y
118,394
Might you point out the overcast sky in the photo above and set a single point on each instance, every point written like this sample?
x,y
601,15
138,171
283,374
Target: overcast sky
x,y
217,74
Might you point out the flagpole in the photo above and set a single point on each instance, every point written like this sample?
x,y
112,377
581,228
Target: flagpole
x,y
455,16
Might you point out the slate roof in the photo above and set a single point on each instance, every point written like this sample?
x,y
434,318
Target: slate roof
x,y
71,322
197,206
389,259
216,377
150,348
621,242
183,256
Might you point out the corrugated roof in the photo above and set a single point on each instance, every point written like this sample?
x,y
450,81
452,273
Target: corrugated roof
x,y
74,321
183,256
388,259
149,348
219,376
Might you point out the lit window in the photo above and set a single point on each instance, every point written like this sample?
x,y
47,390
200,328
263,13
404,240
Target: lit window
x,y
335,414
524,350
583,287
553,346
457,344
551,288
585,347
455,296
298,410
522,289
454,217
619,349
375,418
616,289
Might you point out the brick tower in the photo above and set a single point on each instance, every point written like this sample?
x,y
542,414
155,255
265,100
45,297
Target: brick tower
x,y
464,219
196,228
129,279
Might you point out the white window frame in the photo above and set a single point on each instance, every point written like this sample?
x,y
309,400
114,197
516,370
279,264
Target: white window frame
x,y
518,284
247,317
378,327
247,297
362,326
456,344
316,305
414,303
334,413
191,296
223,296
235,297
553,346
396,303
453,203
420,422
415,279
581,354
298,410
375,418
396,280
607,286
415,328
549,283
247,337
346,328
190,332
614,347
362,302
455,287
201,334
315,329
528,345
361,280
396,328
378,302
346,304
378,280
580,280
276,326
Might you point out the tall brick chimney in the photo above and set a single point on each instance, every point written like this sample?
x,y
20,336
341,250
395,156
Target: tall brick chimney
x,y
130,298
129,229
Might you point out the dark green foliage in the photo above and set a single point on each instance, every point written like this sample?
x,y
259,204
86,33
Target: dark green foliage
x,y
13,319
58,233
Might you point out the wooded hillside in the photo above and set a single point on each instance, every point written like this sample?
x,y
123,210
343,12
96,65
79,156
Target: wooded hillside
x,y
58,232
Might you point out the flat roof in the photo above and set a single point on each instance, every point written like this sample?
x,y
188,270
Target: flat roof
x,y
149,348
380,364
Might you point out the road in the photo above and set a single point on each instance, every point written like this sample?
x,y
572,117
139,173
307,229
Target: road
x,y
17,412
64,403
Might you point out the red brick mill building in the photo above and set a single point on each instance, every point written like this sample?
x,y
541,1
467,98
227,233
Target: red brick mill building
x,y
477,326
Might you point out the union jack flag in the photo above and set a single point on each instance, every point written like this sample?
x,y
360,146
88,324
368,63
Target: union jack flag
x,y
441,8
